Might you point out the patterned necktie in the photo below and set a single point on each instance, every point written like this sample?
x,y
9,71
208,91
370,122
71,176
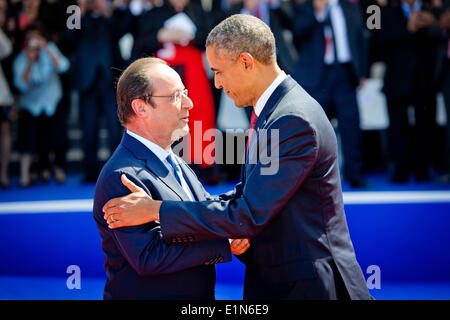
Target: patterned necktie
x,y
176,168
253,120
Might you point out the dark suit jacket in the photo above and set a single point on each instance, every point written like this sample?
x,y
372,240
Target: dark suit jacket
x,y
96,47
300,243
442,59
410,58
310,41
138,263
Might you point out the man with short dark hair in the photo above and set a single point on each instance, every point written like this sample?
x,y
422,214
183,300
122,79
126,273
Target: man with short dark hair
x,y
154,108
300,243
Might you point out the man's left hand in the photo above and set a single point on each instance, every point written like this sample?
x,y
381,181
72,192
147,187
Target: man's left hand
x,y
131,210
239,246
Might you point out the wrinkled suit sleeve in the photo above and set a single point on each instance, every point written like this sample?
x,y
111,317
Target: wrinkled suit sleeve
x,y
245,214
143,246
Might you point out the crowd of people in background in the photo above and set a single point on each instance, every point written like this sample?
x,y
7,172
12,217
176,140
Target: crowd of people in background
x,y
323,44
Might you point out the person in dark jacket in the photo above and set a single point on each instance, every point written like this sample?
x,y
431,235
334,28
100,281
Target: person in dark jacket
x,y
409,36
329,35
289,204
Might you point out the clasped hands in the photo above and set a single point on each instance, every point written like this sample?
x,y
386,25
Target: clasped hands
x,y
139,208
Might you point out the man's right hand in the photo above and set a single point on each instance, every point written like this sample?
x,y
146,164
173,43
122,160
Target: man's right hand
x,y
133,209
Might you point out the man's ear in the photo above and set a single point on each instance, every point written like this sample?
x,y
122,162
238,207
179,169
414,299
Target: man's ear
x,y
140,108
247,61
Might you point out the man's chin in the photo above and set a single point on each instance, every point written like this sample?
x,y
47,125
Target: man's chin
x,y
239,104
180,133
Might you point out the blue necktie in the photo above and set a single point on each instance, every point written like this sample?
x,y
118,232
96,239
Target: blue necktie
x,y
176,168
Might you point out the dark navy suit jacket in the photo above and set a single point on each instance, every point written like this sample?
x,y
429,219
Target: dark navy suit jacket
x,y
96,47
138,263
300,243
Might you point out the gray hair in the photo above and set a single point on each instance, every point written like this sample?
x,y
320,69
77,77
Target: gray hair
x,y
244,33
134,83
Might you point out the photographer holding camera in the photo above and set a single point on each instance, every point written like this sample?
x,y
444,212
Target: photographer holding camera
x,y
35,71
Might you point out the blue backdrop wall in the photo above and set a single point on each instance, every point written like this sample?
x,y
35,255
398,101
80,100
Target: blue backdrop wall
x,y
409,242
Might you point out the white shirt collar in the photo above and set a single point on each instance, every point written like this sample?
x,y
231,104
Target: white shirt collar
x,y
268,92
333,2
162,155
157,150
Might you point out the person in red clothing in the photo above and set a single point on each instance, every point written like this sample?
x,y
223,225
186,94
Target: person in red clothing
x,y
176,32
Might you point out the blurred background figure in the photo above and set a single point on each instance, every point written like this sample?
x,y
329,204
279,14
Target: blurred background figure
x,y
6,100
329,35
24,12
96,50
36,71
322,44
278,16
29,13
409,36
443,74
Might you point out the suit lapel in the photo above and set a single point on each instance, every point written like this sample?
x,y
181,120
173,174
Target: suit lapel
x,y
168,179
274,99
153,164
193,183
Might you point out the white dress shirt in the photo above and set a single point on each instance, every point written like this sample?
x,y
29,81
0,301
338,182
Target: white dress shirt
x,y
162,155
337,18
268,92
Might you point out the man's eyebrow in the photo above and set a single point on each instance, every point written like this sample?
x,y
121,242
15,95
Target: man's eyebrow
x,y
214,69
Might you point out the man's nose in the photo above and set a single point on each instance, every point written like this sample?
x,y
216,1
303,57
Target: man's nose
x,y
187,102
217,83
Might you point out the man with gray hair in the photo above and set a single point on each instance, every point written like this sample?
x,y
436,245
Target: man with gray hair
x,y
300,245
154,107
